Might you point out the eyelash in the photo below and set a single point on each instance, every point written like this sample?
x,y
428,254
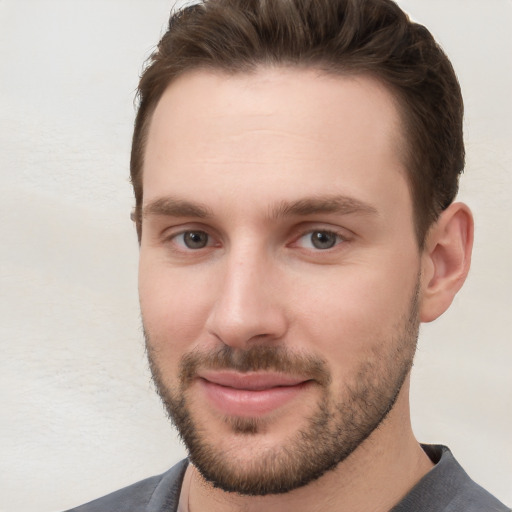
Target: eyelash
x,y
325,233
173,239
338,238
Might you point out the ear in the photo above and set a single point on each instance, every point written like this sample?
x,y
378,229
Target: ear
x,y
445,260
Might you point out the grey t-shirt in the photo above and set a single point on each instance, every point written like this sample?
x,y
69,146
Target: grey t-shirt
x,y
445,488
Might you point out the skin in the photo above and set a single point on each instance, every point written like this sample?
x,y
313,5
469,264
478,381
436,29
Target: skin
x,y
240,147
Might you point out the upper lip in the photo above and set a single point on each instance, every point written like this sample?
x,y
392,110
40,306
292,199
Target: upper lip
x,y
253,381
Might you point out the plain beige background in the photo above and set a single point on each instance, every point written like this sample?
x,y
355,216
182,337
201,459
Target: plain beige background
x,y
79,417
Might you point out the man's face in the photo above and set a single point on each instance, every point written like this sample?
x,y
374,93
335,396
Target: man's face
x,y
279,270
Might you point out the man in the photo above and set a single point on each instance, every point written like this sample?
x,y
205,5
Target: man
x,y
295,165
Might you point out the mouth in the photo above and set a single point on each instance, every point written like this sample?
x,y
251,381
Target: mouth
x,y
250,394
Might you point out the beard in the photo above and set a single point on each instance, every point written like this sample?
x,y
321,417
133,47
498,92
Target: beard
x,y
341,420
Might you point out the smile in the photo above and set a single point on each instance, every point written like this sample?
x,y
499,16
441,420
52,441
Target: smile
x,y
250,395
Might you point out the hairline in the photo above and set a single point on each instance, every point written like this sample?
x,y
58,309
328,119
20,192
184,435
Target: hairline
x,y
403,143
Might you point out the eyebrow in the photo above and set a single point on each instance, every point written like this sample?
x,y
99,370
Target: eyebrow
x,y
342,205
172,207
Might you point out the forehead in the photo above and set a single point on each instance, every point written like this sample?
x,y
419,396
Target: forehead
x,y
273,129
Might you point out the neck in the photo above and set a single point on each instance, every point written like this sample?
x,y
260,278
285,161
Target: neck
x,y
375,477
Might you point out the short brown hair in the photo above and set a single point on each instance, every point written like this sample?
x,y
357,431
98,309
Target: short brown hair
x,y
338,36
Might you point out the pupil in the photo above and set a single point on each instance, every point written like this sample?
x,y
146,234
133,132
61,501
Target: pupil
x,y
323,239
195,239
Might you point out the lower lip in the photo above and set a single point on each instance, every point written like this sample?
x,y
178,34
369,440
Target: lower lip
x,y
250,403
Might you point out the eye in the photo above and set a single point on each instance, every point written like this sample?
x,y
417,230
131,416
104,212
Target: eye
x,y
320,239
193,239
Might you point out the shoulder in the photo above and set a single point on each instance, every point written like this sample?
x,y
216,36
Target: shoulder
x,y
448,488
153,494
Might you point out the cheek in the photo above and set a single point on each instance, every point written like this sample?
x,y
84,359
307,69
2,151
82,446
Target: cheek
x,y
174,308
354,314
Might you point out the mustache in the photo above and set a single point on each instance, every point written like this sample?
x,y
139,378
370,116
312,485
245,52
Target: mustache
x,y
255,358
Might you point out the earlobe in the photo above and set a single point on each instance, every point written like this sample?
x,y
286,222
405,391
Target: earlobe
x,y
446,260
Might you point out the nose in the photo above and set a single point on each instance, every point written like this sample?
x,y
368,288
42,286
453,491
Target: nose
x,y
247,306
